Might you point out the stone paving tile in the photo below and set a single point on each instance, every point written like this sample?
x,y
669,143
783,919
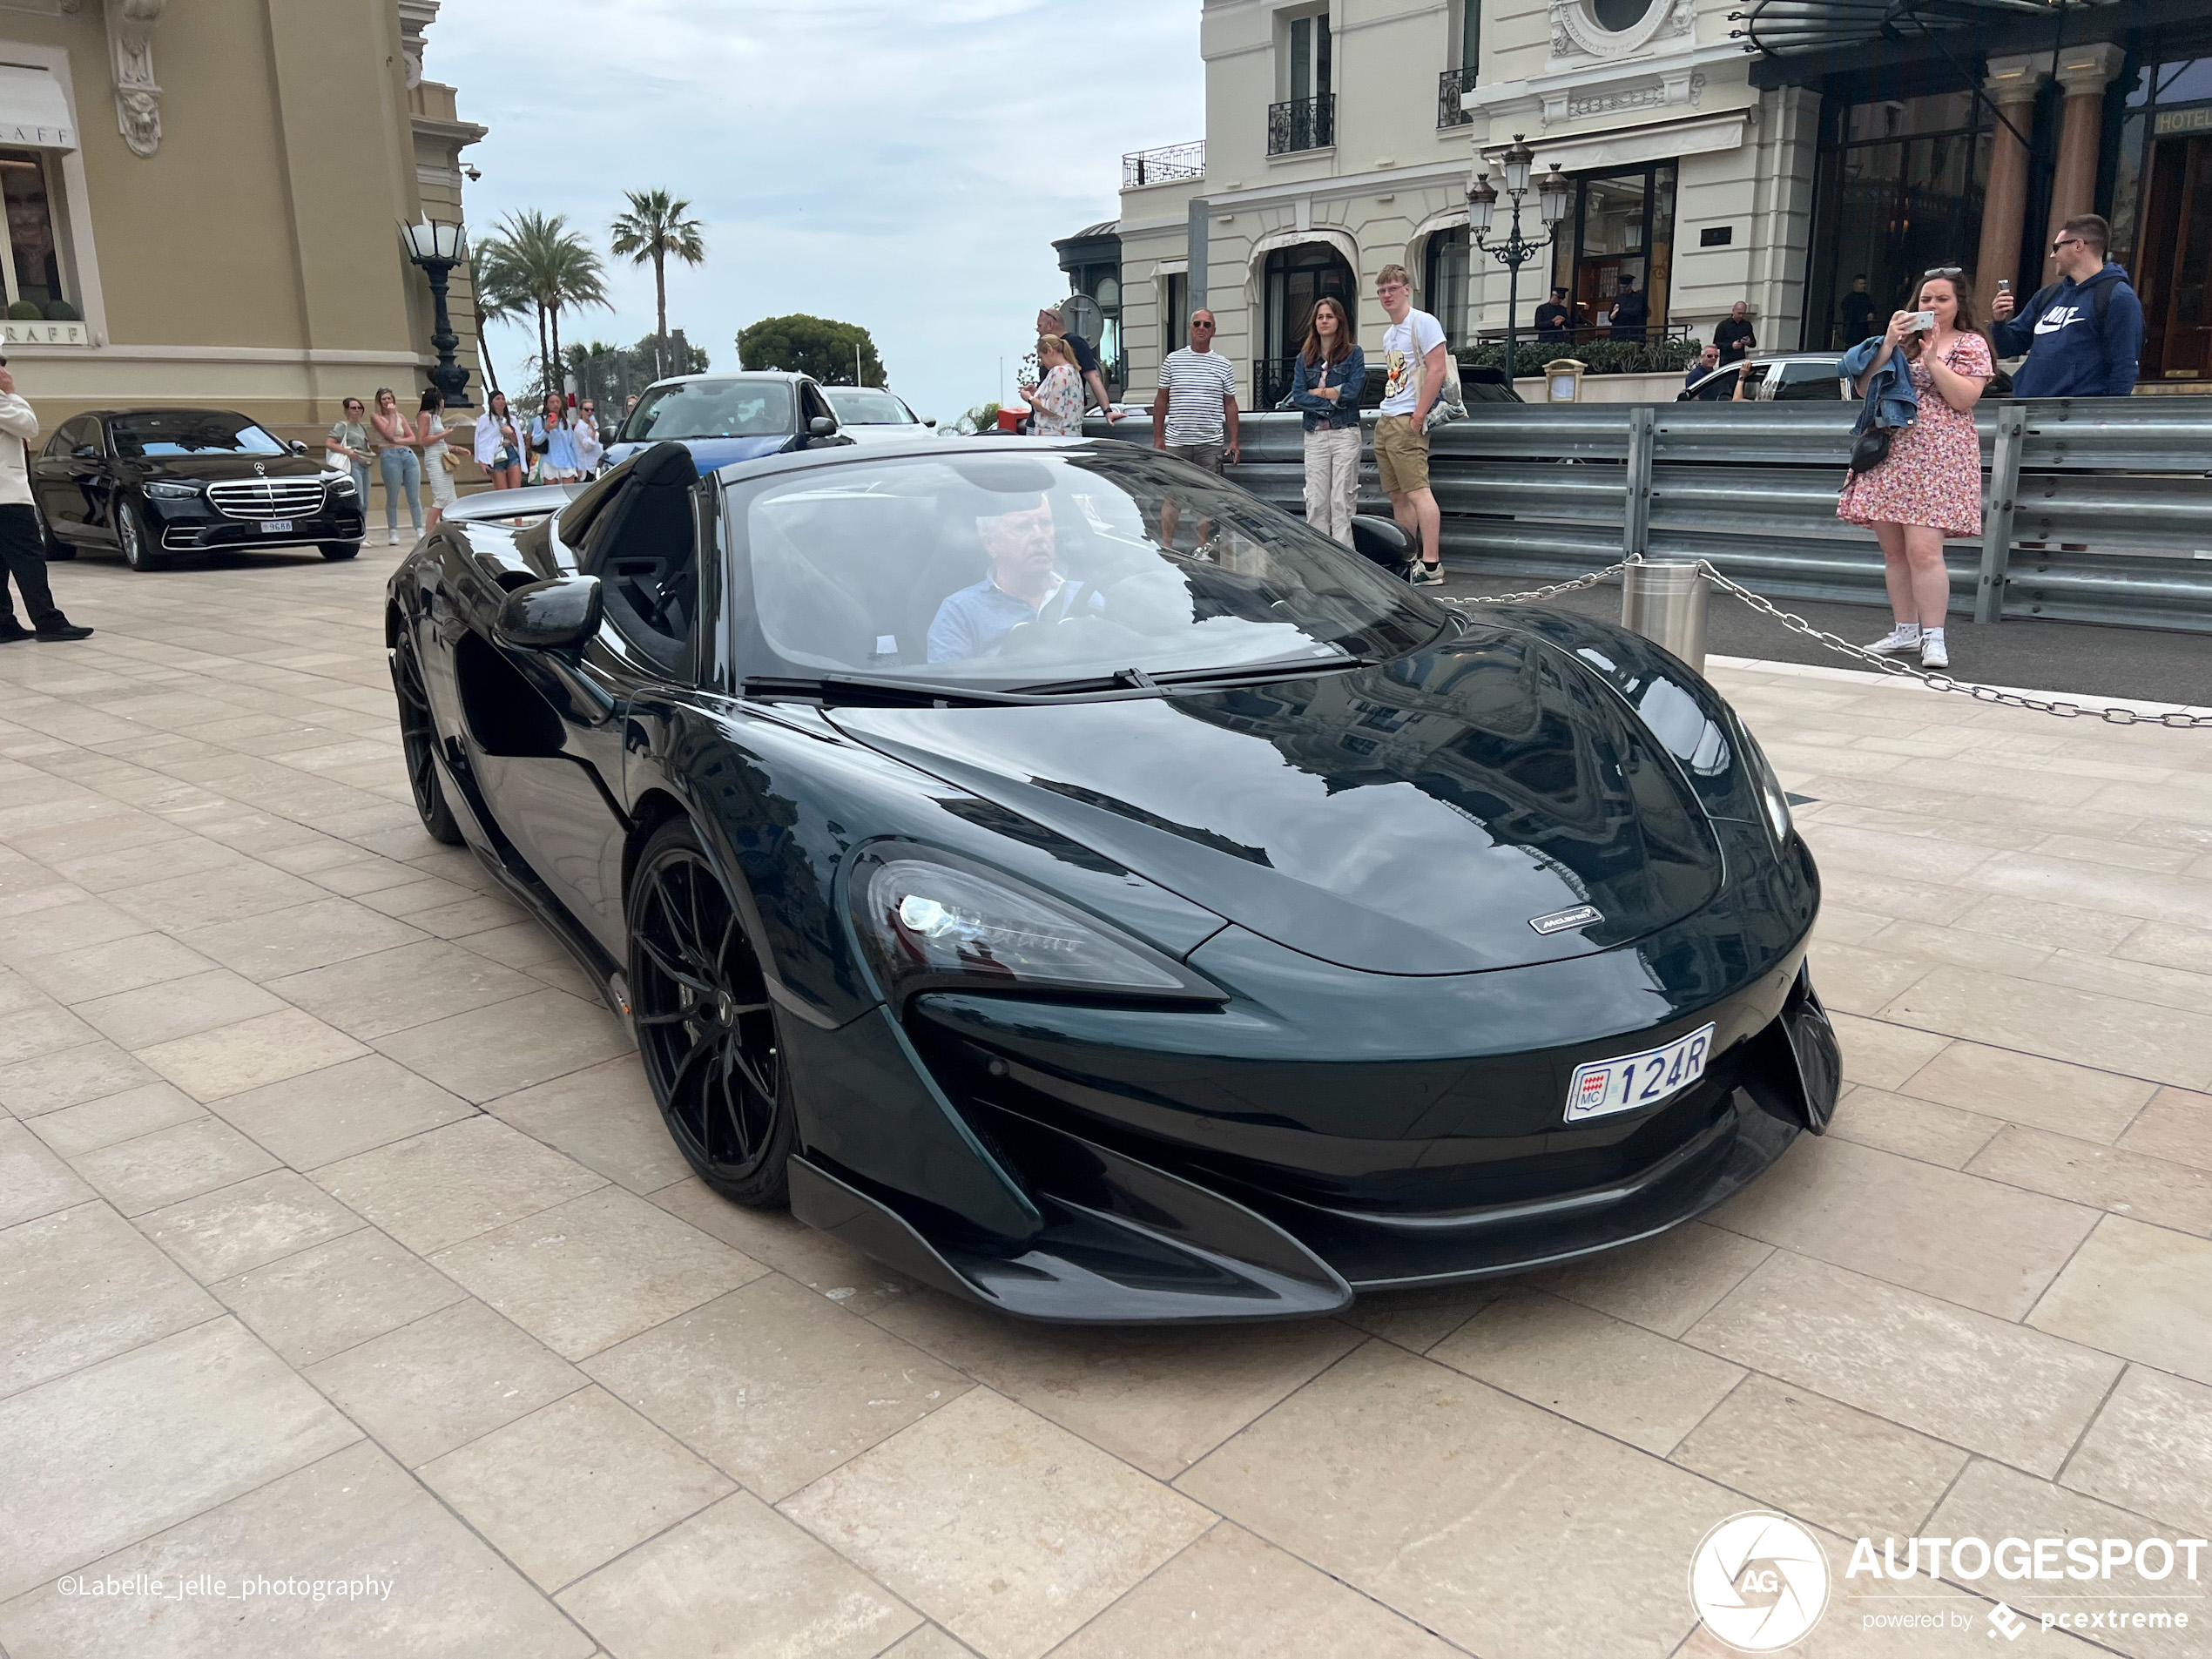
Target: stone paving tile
x,y
354,1513
1231,1593
333,1296
247,1225
373,996
776,1387
490,1052
119,1117
1983,1382
573,1485
121,965
587,1274
1417,1319
828,1266
1666,1283
457,1181
605,1119
356,1106
2141,1292
2126,1183
1913,1129
2150,1451
180,1008
2165,1045
675,1596
1386,1470
31,1033
1004,1528
80,1285
299,938
107,1455
2177,1126
172,1165
235,1058
33,1181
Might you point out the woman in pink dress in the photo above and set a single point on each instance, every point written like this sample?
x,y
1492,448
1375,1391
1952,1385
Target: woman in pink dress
x,y
1930,485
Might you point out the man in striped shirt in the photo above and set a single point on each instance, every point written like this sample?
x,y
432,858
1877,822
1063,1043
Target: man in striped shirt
x,y
1194,413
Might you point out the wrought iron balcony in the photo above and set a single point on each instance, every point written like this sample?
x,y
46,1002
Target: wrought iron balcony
x,y
1449,85
1170,164
1301,123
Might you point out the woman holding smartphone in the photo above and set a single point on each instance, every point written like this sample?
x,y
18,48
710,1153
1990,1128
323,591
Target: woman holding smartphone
x,y
1326,384
1928,485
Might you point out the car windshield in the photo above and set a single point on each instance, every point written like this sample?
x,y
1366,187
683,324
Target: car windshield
x,y
733,409
161,433
1013,572
860,406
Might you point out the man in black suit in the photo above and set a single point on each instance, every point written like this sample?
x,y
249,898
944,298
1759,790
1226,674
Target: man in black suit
x,y
1629,312
1856,310
1554,320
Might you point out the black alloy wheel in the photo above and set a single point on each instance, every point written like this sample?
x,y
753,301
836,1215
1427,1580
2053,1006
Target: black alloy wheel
x,y
706,1029
138,544
419,744
336,551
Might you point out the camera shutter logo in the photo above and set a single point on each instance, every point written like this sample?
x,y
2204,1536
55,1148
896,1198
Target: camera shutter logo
x,y
1759,1581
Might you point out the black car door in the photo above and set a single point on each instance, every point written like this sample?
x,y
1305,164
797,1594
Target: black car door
x,y
559,798
63,480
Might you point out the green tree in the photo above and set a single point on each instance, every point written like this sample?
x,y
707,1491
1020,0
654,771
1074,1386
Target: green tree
x,y
816,345
653,231
536,256
495,302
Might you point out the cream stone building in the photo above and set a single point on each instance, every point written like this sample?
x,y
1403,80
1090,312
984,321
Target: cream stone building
x,y
1766,151
203,200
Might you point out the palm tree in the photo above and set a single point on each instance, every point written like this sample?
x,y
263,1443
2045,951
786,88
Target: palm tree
x,y
655,229
498,297
535,257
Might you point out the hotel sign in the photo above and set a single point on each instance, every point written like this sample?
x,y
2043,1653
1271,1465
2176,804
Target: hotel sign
x,y
2173,124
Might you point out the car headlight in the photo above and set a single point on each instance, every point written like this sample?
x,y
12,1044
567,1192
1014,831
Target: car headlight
x,y
342,485
928,919
1772,796
174,492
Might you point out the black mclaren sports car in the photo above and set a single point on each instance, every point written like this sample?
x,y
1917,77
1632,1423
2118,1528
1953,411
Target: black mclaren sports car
x,y
1092,892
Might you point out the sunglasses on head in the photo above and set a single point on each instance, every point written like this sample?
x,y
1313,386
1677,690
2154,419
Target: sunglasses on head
x,y
1943,271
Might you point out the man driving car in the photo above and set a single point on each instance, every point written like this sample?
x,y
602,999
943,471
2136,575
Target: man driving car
x,y
1022,586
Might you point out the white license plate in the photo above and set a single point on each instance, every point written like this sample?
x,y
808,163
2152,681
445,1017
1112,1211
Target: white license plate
x,y
276,527
1630,1081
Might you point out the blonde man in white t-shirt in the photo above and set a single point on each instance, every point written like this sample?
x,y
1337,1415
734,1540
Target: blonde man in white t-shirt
x,y
1413,358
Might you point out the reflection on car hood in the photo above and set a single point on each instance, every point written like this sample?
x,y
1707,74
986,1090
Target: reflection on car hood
x,y
209,469
709,454
1416,817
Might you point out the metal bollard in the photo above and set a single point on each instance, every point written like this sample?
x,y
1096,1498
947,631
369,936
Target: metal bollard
x,y
1664,601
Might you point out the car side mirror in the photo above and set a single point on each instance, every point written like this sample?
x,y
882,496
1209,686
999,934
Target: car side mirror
x,y
551,615
299,447
929,419
86,452
1381,542
820,427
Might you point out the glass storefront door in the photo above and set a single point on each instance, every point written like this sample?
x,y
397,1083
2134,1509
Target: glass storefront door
x,y
1899,191
2162,214
1620,229
1295,278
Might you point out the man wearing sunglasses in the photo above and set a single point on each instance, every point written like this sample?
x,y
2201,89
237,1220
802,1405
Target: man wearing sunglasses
x,y
2082,334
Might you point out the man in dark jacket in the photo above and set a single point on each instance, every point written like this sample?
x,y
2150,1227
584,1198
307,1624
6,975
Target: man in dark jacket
x,y
1553,318
2083,333
1629,310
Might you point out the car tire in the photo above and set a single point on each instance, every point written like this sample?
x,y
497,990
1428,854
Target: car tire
x,y
138,549
336,551
708,1032
419,746
51,547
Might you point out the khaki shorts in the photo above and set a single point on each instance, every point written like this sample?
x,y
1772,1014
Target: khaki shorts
x,y
1401,454
1204,456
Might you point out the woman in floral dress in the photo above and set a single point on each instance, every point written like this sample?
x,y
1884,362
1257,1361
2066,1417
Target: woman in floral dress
x,y
1930,485
1056,402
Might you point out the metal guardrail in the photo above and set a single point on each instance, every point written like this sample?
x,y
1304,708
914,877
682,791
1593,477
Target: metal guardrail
x,y
2094,510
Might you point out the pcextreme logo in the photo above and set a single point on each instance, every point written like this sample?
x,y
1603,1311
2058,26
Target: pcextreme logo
x,y
1759,1581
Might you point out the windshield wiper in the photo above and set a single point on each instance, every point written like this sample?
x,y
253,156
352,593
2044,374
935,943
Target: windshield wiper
x,y
1274,668
857,690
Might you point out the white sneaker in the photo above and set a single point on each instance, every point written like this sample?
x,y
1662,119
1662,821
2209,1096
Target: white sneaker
x,y
1427,576
1932,655
1899,640
396,538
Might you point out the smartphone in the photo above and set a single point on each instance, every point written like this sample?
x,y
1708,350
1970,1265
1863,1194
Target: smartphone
x,y
2004,284
1923,322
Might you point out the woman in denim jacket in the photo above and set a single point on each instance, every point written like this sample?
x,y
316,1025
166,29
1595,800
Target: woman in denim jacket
x,y
1332,372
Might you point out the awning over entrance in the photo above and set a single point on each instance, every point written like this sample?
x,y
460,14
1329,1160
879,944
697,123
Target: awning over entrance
x,y
33,112
1794,28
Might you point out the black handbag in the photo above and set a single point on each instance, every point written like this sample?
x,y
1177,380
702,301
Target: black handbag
x,y
1871,449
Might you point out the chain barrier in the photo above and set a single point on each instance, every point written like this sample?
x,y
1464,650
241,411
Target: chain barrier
x,y
2174,719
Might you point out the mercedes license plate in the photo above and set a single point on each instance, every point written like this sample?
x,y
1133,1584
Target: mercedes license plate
x,y
1630,1081
276,527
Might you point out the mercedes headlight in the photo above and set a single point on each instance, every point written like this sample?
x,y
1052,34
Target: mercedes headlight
x,y
1772,796
930,921
174,492
342,485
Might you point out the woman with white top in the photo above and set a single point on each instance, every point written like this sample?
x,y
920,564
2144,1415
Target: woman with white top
x,y
553,441
398,458
438,462
498,448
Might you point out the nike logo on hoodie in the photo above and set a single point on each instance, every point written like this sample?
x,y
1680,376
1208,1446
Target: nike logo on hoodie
x,y
2058,317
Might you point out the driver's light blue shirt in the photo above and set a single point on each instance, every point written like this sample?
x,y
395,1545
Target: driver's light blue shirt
x,y
973,621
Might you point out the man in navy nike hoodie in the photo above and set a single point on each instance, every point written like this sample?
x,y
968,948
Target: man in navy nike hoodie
x,y
2080,343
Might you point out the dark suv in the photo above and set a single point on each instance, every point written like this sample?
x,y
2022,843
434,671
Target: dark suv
x,y
151,483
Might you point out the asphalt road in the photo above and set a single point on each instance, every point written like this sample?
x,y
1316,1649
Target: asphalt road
x,y
2080,658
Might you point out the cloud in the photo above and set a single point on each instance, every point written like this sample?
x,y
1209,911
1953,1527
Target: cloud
x,y
901,164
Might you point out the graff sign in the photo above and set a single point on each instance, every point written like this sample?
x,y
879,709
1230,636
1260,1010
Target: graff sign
x,y
29,332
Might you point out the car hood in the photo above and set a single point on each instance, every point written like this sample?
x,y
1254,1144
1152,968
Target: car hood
x,y
213,468
1420,817
710,454
887,433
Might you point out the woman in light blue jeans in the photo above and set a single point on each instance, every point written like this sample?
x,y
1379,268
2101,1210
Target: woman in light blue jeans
x,y
399,459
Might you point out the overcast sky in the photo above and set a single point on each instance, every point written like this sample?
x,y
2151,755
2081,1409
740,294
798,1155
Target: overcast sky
x,y
901,164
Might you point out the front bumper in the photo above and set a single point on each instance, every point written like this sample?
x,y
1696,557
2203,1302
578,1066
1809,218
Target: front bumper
x,y
193,526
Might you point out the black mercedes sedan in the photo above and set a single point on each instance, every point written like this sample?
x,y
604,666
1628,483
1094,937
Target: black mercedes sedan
x,y
154,484
1081,886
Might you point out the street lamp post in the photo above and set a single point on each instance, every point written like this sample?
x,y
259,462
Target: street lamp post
x,y
437,248
1552,192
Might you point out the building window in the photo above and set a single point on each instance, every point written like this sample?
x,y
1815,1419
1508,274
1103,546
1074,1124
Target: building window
x,y
1445,287
33,267
1306,120
1174,289
2162,214
1897,190
1466,55
1620,232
